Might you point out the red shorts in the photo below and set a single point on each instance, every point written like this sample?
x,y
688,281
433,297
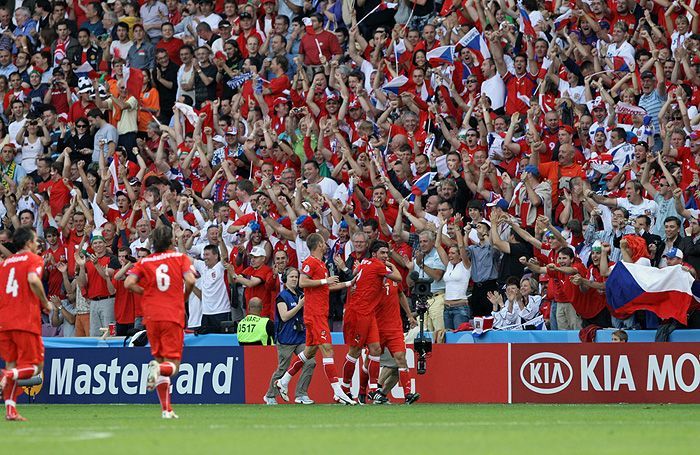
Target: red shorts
x,y
166,339
393,341
22,348
360,330
317,330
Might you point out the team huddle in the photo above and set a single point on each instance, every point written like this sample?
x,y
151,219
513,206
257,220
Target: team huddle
x,y
166,278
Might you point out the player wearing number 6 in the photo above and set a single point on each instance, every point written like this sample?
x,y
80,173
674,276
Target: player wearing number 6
x,y
165,278
22,301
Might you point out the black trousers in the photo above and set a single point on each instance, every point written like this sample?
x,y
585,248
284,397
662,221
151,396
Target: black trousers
x,y
211,323
479,301
601,319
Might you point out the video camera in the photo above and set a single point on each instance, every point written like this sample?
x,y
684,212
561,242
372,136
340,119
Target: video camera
x,y
422,344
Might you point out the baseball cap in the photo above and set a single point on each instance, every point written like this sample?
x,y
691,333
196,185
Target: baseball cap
x,y
532,169
258,251
224,24
280,100
674,253
218,138
648,74
232,130
500,203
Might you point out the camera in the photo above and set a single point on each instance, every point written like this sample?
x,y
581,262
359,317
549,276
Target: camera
x,y
422,344
298,326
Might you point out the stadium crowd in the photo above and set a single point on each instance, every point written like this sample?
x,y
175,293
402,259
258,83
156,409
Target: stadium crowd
x,y
510,153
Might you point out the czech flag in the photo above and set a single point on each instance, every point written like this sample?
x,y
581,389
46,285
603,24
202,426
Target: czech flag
x,y
421,185
525,22
395,85
442,54
474,41
619,64
308,25
562,21
665,292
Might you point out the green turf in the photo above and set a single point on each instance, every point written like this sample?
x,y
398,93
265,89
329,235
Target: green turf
x,y
473,429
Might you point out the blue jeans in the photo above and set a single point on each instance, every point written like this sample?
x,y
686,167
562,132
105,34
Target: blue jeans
x,y
455,316
553,316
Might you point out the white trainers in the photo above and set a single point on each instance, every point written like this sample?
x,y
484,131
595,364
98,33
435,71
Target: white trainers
x,y
303,400
282,390
269,400
153,372
340,396
170,415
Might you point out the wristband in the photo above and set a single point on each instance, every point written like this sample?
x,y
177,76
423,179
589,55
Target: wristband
x,y
348,284
324,281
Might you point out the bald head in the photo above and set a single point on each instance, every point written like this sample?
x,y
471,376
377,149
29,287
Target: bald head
x,y
255,306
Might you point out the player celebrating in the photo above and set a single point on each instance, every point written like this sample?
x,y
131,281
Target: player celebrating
x,y
165,278
359,322
23,299
317,285
391,336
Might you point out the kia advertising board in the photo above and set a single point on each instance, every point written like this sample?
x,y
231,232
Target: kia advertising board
x,y
605,373
118,375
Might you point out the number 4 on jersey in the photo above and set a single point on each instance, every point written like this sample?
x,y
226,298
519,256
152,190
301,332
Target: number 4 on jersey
x,y
12,287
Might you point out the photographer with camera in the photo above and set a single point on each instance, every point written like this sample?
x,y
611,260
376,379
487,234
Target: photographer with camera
x,y
291,337
427,265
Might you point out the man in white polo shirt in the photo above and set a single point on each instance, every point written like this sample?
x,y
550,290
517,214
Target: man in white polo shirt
x,y
214,295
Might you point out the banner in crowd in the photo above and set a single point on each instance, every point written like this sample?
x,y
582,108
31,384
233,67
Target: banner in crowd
x,y
457,373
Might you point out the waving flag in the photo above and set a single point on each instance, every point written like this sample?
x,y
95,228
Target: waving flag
x,y
665,292
619,64
236,81
395,85
442,54
133,78
562,21
525,22
474,41
308,26
421,185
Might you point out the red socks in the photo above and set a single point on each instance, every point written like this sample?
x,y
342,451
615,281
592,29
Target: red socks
x,y
329,369
166,368
23,373
163,391
298,363
373,371
348,371
364,379
405,380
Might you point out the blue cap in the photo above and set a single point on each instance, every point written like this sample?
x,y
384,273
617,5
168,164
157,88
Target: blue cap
x,y
500,202
301,219
254,226
532,169
674,253
343,224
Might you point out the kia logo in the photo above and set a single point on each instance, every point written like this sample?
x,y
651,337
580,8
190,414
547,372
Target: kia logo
x,y
546,373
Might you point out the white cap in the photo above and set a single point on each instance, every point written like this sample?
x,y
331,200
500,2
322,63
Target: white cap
x,y
258,251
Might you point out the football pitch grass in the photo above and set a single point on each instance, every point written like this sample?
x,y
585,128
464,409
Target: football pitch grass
x,y
332,429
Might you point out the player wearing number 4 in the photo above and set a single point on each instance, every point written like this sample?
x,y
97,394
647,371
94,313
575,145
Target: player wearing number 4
x,y
165,278
23,299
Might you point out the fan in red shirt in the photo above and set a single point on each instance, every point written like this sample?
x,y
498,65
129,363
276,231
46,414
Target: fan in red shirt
x,y
359,322
317,285
589,292
22,302
165,278
259,282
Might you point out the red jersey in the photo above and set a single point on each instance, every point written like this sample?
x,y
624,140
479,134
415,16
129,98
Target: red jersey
x,y
369,284
20,308
262,291
54,277
588,304
96,285
316,298
388,312
59,194
123,303
161,275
